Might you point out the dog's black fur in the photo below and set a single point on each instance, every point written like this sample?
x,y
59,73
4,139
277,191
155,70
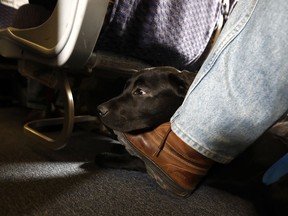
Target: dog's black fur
x,y
149,98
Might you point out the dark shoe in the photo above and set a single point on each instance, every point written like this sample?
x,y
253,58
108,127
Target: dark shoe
x,y
172,163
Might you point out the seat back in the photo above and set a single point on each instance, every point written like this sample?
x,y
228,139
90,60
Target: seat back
x,y
67,38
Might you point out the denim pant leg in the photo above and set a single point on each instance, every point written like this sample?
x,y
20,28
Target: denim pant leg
x,y
241,89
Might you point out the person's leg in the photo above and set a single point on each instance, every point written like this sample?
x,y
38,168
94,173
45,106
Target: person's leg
x,y
36,95
241,90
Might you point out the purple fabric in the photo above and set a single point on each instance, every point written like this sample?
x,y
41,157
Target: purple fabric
x,y
160,32
6,15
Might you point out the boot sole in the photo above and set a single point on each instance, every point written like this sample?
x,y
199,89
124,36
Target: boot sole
x,y
162,179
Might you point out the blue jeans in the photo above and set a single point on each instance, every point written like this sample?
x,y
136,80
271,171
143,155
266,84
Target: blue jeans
x,y
241,89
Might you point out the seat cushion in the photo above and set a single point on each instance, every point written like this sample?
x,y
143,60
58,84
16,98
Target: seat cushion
x,y
160,32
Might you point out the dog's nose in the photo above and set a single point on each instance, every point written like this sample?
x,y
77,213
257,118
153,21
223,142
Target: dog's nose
x,y
102,110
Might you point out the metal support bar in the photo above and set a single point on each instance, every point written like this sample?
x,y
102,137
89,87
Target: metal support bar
x,y
32,128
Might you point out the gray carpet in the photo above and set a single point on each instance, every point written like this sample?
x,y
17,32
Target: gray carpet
x,y
37,181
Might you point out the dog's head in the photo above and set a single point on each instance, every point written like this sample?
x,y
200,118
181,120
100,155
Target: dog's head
x,y
150,97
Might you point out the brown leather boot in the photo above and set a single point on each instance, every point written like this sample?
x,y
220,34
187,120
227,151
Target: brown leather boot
x,y
175,166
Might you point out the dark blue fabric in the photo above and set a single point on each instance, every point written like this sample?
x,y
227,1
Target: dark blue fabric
x,y
160,32
276,171
6,15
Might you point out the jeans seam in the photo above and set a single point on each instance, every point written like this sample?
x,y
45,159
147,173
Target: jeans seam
x,y
226,40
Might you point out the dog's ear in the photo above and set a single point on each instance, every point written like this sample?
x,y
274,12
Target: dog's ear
x,y
180,83
188,76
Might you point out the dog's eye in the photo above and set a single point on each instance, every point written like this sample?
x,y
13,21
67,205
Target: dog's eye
x,y
139,91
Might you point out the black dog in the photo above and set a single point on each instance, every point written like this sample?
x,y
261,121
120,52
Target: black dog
x,y
150,97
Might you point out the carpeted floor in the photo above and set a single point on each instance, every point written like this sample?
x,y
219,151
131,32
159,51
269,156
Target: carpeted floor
x,y
37,181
